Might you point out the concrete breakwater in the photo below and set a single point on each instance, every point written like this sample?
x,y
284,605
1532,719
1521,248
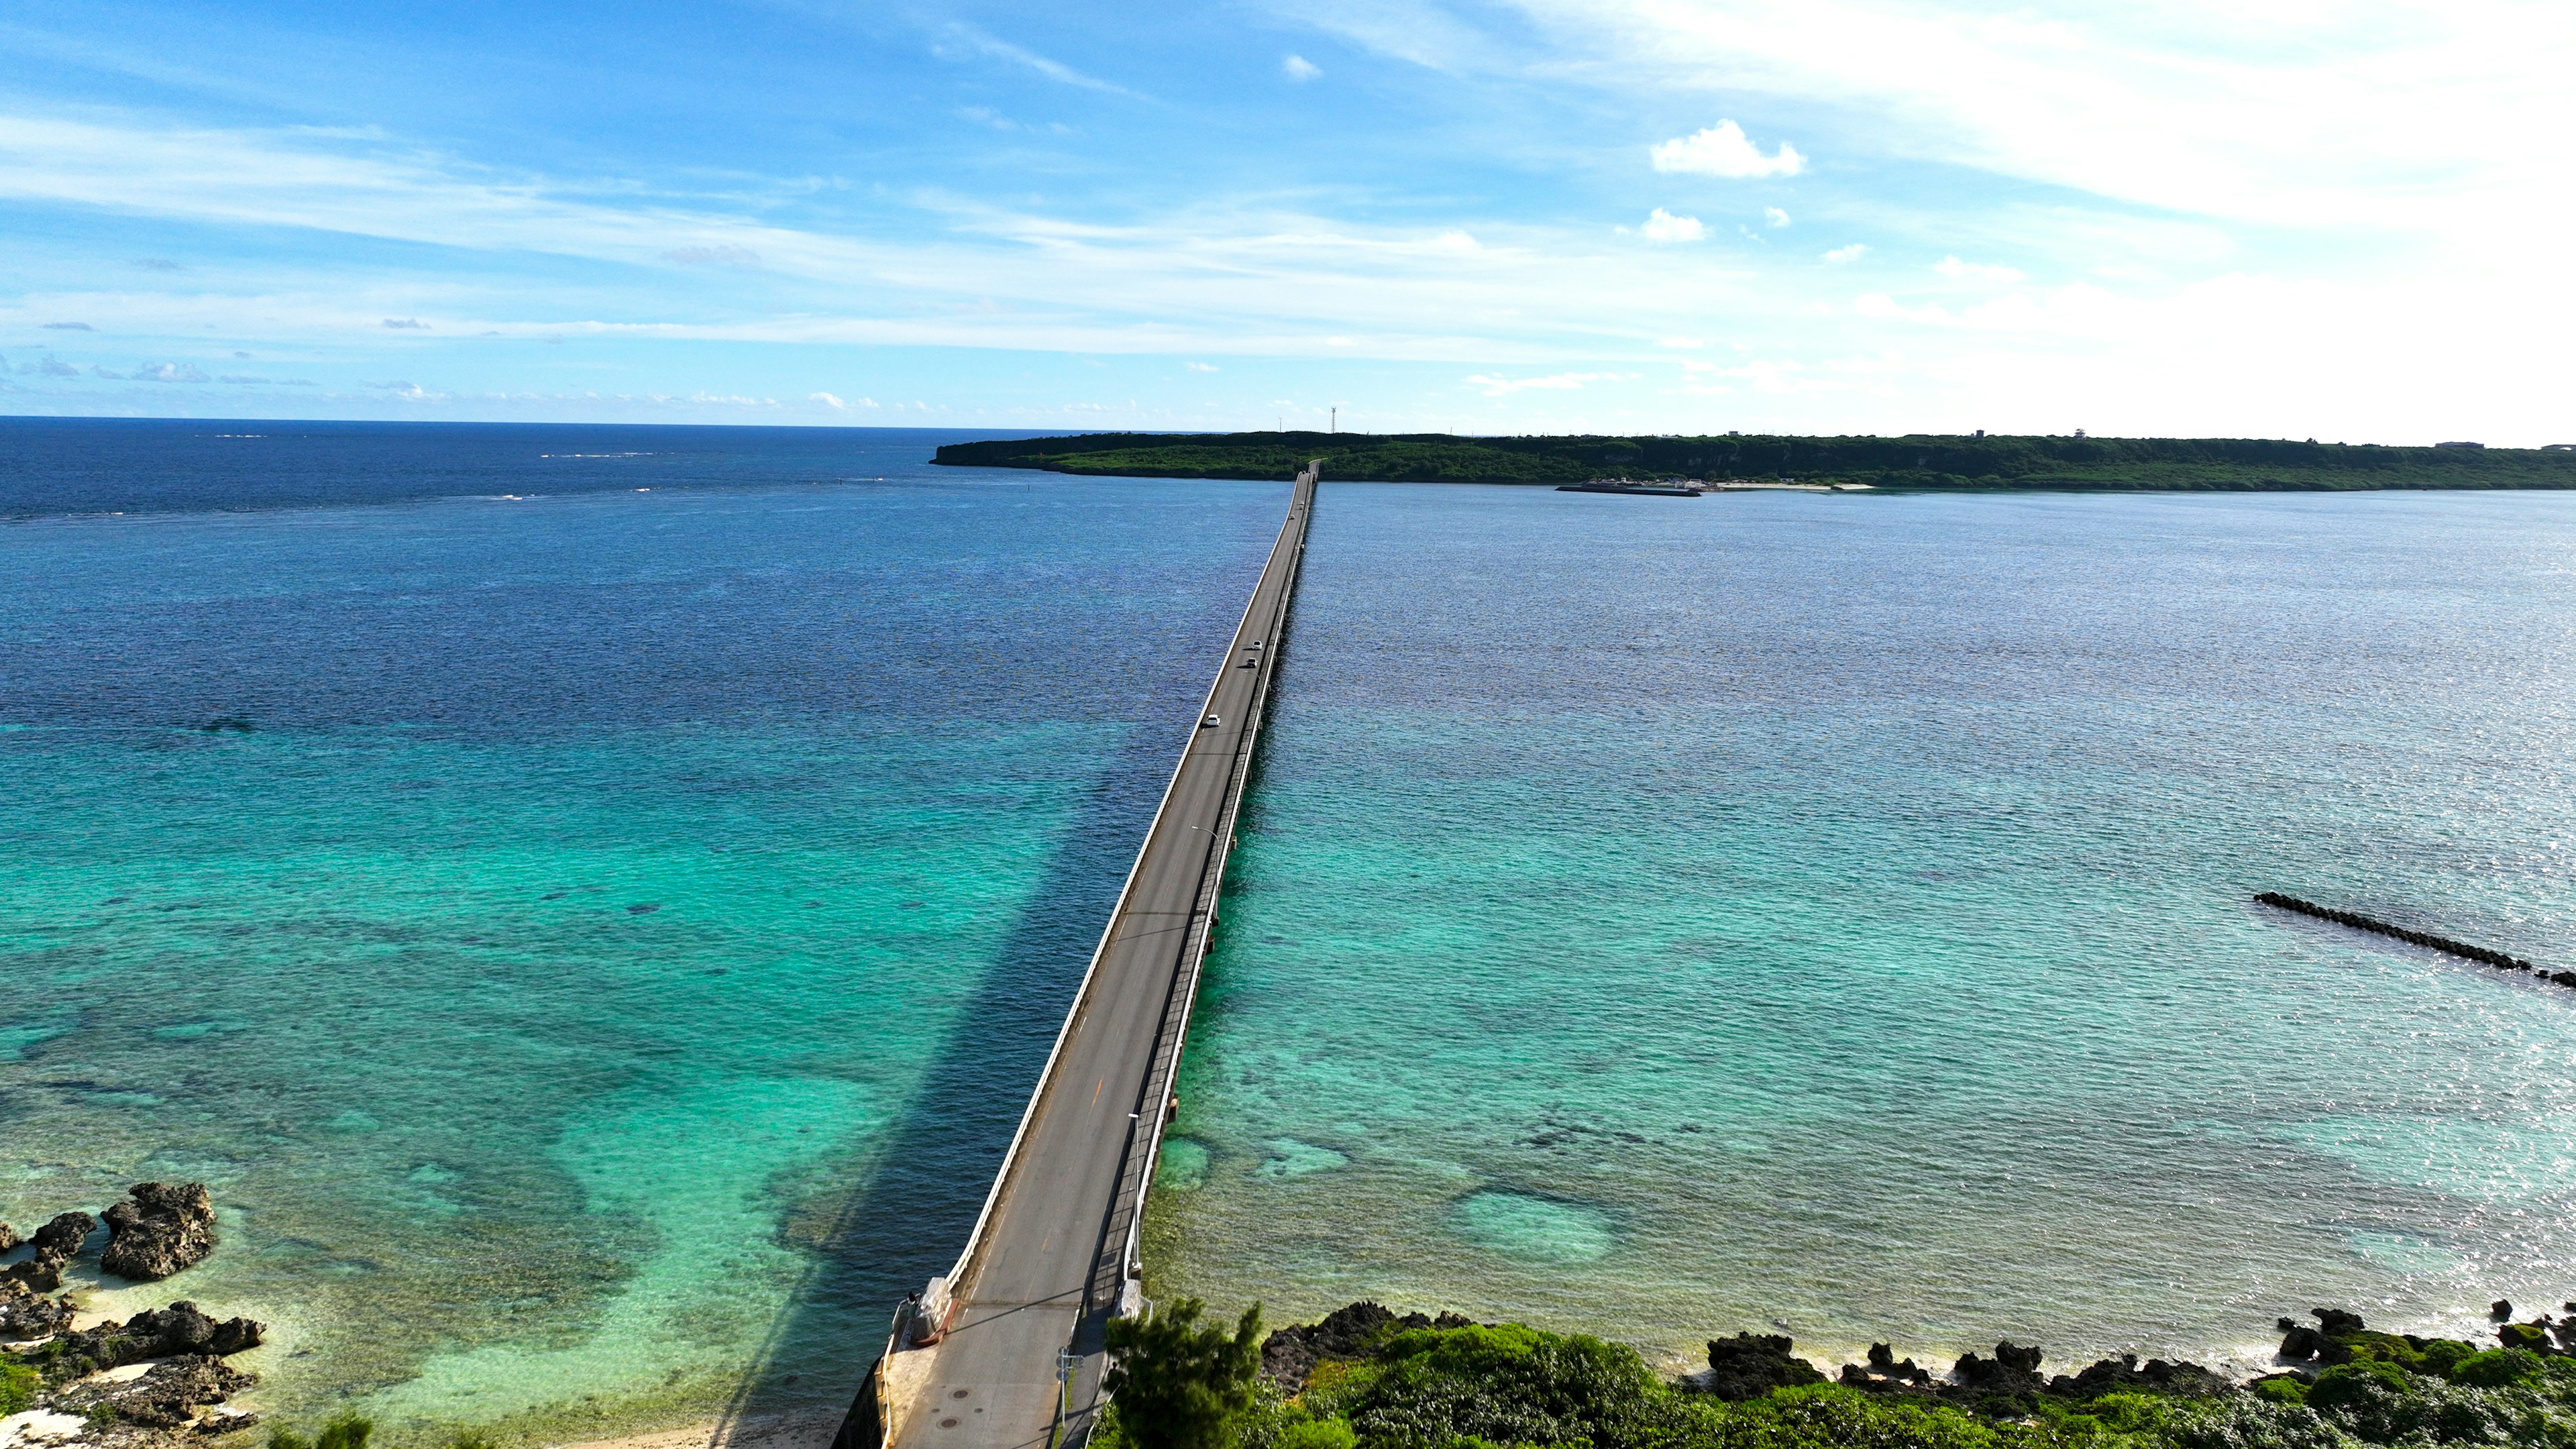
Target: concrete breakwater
x,y
2426,939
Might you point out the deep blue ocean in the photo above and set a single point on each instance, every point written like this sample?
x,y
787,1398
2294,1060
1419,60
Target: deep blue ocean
x,y
592,900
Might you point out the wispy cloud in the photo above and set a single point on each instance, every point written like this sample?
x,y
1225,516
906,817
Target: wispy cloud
x,y
716,256
958,39
1558,382
69,327
1852,253
405,324
1774,216
1299,68
1724,150
1201,367
167,372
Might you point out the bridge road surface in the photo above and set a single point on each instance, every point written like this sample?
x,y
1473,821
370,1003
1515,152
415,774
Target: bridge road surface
x,y
1053,1257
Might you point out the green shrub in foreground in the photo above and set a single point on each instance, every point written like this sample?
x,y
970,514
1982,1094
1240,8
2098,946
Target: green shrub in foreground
x,y
18,1384
1177,1385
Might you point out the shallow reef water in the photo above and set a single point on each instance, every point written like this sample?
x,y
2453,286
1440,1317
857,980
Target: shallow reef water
x,y
548,897
1668,917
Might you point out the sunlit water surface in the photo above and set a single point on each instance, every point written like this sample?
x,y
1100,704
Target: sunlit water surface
x,y
1666,917
589,901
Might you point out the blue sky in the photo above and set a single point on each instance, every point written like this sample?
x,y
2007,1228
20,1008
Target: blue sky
x,y
2262,217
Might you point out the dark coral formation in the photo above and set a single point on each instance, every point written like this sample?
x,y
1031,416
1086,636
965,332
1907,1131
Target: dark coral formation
x,y
161,1229
166,1397
56,1244
1289,1355
1750,1365
175,1331
26,1313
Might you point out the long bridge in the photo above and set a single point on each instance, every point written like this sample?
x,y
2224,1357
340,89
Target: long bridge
x,y
1005,1350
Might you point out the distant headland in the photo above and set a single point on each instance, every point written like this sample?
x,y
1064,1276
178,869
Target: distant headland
x,y
1920,461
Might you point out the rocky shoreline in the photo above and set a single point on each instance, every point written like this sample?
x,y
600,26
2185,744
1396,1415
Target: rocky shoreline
x,y
2324,1365
154,1381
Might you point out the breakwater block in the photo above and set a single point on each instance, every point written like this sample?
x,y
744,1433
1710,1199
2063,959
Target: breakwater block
x,y
2426,939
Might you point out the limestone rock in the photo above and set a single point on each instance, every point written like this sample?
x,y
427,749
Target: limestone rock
x,y
56,1243
166,1397
175,1331
26,1314
162,1228
1750,1365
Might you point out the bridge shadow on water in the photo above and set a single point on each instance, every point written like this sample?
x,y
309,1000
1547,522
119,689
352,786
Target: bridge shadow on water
x,y
922,1183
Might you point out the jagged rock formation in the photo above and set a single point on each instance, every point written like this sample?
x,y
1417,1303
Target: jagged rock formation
x,y
162,1228
175,1331
27,1314
1750,1365
167,1397
1289,1355
56,1244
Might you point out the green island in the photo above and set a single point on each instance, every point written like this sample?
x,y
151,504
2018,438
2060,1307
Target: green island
x,y
1366,1379
1914,461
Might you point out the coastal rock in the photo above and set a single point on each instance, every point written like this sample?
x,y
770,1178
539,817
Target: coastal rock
x,y
9,1239
1887,1373
1750,1365
2524,1335
176,1331
1289,1355
2299,1343
166,1397
2501,1310
2106,1376
27,1314
2013,1370
162,1228
2335,1321
56,1243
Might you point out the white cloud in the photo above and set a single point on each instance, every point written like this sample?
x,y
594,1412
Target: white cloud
x,y
1560,382
167,372
1299,68
1971,271
1852,253
1723,150
829,401
1663,226
1775,216
1201,367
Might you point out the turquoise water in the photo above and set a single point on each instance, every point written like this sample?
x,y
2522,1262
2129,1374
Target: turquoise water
x,y
1664,918
603,974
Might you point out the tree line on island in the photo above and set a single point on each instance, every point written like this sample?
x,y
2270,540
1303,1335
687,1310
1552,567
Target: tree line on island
x,y
1915,461
1364,1378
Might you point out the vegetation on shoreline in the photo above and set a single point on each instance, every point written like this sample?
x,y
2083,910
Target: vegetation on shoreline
x,y
1920,461
1449,1384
